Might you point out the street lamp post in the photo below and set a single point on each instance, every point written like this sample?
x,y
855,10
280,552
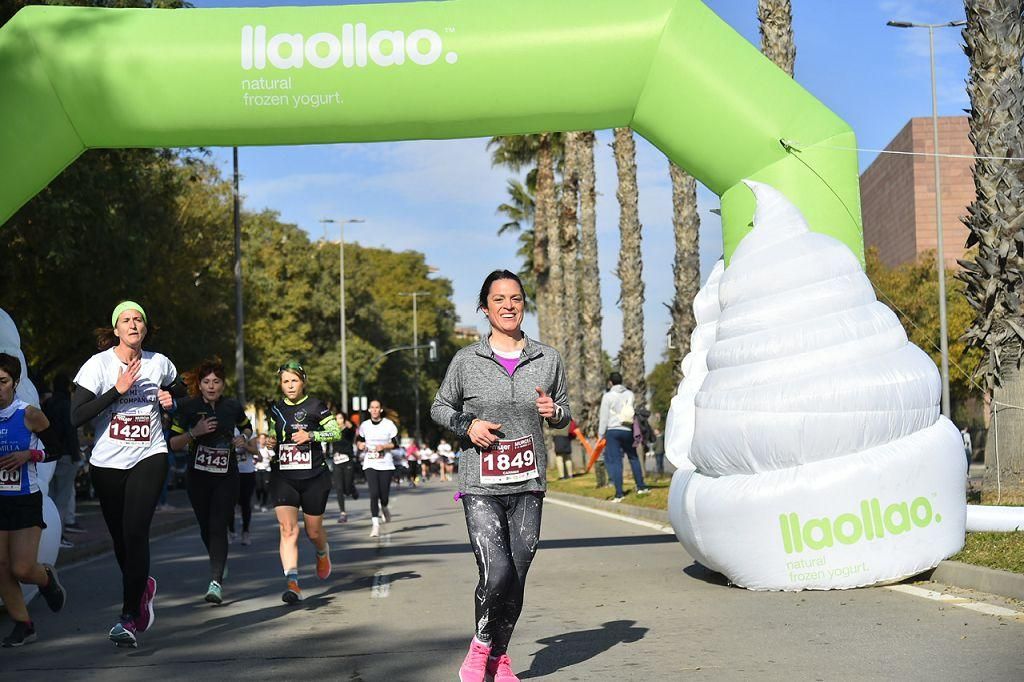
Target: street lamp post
x,y
416,357
940,257
341,315
239,336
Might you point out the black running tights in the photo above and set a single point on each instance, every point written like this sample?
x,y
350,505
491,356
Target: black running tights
x,y
246,486
344,483
213,499
504,531
128,499
379,483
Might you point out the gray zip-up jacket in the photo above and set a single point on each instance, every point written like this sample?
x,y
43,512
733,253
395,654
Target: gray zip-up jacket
x,y
476,386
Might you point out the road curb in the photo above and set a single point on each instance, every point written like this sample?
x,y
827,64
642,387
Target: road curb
x,y
953,573
980,578
78,553
645,513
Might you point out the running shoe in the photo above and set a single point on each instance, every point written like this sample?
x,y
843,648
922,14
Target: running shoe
x,y
246,540
22,634
375,532
501,669
617,500
147,616
73,528
232,537
292,593
474,666
323,564
53,592
213,593
123,634
385,515
643,491
65,543
343,517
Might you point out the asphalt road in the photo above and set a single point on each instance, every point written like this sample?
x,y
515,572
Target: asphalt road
x,y
606,600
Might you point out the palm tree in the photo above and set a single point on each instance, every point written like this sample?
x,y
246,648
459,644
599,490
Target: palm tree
x,y
630,270
518,212
686,267
569,236
776,20
517,152
590,289
994,38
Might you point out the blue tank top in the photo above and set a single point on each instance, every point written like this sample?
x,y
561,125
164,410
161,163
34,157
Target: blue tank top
x,y
15,436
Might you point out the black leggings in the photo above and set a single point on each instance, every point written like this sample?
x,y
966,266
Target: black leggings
x,y
344,483
263,487
213,499
504,531
379,483
128,499
246,484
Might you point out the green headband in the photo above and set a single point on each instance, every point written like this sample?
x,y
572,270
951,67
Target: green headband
x,y
123,306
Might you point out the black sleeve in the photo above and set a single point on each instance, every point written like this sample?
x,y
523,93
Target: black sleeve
x,y
177,389
52,442
85,405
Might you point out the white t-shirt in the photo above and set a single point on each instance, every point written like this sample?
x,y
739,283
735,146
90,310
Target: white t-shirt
x,y
129,430
263,459
381,433
445,451
246,461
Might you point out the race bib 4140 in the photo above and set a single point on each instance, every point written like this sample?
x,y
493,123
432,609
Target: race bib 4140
x,y
291,457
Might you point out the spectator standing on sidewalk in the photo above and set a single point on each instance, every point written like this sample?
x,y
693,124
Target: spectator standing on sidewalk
x,y
62,486
563,450
616,426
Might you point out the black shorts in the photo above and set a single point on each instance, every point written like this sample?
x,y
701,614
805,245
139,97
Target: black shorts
x,y
18,512
308,494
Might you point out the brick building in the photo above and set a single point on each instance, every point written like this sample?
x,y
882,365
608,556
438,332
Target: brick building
x,y
897,193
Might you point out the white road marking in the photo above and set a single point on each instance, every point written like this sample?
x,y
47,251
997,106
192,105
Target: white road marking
x,y
611,515
962,602
381,586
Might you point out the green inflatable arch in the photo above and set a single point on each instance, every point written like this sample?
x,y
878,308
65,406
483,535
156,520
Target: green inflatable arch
x,y
78,78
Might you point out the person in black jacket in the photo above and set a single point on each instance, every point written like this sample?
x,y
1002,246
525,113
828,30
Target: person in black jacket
x,y
62,486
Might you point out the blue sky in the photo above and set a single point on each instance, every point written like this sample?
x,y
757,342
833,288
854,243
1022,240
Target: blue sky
x,y
440,197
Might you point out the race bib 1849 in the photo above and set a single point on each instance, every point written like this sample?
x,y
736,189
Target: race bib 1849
x,y
132,430
509,461
291,457
212,460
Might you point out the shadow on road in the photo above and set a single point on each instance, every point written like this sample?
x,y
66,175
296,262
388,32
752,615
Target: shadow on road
x,y
563,651
705,574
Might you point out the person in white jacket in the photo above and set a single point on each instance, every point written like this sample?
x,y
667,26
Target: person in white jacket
x,y
615,425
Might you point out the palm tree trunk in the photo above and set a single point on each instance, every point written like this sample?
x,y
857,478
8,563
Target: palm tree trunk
x,y
544,219
590,284
569,228
994,38
776,20
686,267
630,270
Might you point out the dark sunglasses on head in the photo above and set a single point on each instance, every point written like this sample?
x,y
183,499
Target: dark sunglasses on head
x,y
292,366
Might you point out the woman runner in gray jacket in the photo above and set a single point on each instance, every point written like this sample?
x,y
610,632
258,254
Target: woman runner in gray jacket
x,y
495,397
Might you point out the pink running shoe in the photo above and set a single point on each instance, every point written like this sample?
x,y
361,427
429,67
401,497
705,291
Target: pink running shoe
x,y
474,667
501,669
146,614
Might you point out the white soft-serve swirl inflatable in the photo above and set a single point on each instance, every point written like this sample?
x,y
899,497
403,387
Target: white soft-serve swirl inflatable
x,y
49,543
807,432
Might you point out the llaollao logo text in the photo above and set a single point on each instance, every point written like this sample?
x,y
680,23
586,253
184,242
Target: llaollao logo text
x,y
352,47
873,523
